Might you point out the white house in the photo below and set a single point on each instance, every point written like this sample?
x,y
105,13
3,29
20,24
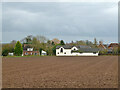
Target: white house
x,y
67,50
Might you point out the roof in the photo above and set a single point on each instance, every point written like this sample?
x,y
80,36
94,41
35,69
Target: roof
x,y
113,45
43,51
25,48
70,46
89,49
81,48
65,46
101,46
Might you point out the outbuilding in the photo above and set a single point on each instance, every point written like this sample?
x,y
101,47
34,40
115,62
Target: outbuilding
x,y
43,53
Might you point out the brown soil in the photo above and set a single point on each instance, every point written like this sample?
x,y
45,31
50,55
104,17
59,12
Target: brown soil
x,y
60,72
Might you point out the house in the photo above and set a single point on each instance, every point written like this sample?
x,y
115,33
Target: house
x,y
43,53
102,46
68,50
27,50
113,45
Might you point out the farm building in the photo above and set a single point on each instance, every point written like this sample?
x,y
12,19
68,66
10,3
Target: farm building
x,y
67,50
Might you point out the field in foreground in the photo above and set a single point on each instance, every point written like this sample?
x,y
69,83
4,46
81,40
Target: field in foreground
x,y
60,72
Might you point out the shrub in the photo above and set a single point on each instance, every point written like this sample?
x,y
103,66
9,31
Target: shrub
x,y
5,51
40,50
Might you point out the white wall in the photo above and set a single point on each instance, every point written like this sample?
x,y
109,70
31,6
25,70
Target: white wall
x,y
29,49
68,53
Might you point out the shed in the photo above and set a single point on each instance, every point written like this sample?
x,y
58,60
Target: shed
x,y
43,53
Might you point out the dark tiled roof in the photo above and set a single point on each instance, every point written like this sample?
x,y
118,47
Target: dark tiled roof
x,y
70,46
113,45
89,49
25,48
81,48
65,46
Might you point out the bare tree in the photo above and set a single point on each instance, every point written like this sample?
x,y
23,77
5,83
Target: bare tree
x,y
13,42
42,39
56,41
27,39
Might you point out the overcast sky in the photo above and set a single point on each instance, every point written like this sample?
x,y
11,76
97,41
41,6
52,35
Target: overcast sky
x,y
68,21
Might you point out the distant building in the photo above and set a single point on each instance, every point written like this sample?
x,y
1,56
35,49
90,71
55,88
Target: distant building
x,y
113,45
68,50
102,46
27,50
43,53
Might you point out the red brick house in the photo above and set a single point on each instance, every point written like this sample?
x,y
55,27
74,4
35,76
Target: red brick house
x,y
113,45
27,50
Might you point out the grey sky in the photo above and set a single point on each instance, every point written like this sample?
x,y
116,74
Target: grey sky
x,y
67,21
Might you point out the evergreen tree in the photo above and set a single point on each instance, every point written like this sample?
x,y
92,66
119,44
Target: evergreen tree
x,y
40,51
18,49
95,42
87,42
54,50
53,43
62,42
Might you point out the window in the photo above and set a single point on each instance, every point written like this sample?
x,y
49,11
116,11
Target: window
x,y
94,52
61,50
64,52
58,52
26,53
74,49
35,53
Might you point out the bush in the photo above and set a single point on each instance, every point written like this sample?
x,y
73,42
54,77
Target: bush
x,y
6,51
54,50
103,52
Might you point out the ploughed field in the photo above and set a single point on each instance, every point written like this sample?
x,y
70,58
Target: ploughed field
x,y
60,72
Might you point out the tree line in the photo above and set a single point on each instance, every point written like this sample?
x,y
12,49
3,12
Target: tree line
x,y
42,43
38,43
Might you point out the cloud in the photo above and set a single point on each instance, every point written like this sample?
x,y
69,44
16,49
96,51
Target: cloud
x,y
68,21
